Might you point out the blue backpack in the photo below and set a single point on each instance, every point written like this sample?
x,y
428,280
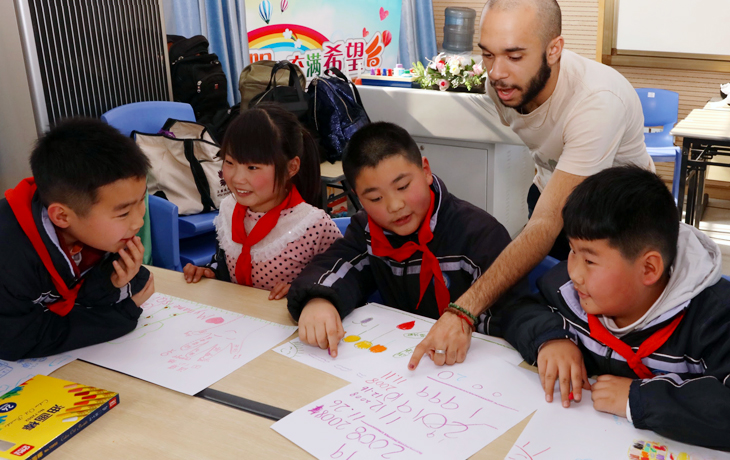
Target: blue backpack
x,y
337,111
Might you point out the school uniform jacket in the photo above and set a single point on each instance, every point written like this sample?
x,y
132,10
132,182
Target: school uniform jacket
x,y
28,328
466,240
689,399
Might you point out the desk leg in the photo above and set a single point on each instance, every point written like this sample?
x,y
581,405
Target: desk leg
x,y
701,199
682,176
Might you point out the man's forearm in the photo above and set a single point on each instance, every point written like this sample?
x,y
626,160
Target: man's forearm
x,y
516,261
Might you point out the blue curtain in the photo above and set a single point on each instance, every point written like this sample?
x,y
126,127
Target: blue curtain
x,y
223,23
417,32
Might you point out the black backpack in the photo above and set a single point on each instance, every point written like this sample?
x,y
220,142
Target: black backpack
x,y
292,97
197,76
336,111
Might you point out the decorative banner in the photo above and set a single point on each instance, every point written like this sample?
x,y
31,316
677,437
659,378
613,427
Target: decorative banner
x,y
319,34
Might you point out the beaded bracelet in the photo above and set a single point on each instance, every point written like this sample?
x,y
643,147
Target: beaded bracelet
x,y
473,318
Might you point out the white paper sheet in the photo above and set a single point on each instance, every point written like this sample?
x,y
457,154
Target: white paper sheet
x,y
186,346
13,373
433,412
581,432
379,337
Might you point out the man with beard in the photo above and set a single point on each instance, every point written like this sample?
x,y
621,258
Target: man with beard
x,y
576,116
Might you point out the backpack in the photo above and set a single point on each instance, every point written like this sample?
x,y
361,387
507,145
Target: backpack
x,y
255,78
185,167
197,76
337,112
290,96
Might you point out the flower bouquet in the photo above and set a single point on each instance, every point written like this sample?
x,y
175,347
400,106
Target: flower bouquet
x,y
450,72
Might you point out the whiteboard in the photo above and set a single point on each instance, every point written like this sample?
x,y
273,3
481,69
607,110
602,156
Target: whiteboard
x,y
674,26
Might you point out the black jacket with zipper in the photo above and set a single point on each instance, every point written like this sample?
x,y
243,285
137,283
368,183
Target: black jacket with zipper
x,y
688,400
466,240
29,328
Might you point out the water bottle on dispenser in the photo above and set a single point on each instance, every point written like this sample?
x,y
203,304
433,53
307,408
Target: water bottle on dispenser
x,y
459,30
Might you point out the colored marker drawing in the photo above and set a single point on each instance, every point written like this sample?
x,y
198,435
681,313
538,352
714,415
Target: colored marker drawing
x,y
186,345
376,335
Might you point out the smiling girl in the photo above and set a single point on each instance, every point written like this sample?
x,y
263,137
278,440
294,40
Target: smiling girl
x,y
268,228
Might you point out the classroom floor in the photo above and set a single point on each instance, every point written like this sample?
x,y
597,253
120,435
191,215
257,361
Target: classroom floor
x,y
716,224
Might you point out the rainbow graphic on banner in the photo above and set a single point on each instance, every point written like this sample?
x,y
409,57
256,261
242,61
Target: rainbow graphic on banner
x,y
276,38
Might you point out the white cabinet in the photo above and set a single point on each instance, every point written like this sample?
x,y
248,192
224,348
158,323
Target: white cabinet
x,y
479,159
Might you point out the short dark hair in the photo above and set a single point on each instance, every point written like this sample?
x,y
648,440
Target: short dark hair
x,y
375,142
630,207
78,156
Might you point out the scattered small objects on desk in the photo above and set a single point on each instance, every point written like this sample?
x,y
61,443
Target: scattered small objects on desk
x,y
649,450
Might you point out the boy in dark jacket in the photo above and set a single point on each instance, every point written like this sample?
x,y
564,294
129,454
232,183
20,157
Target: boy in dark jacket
x,y
641,304
415,243
70,263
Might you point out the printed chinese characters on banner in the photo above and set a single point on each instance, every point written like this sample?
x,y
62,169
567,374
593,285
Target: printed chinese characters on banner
x,y
319,34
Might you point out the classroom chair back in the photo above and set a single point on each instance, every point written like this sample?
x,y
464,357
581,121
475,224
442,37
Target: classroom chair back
x,y
175,240
660,107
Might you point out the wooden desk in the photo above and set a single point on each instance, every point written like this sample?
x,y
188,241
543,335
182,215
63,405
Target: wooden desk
x,y
155,422
706,133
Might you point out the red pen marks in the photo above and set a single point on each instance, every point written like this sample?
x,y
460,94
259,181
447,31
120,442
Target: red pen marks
x,y
407,326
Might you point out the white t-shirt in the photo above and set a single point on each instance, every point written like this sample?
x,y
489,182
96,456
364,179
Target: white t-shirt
x,y
592,121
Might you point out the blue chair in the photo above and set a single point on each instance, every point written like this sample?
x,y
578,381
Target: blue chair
x,y
342,223
546,264
147,117
176,240
660,108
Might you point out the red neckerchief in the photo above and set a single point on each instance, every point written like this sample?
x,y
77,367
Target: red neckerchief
x,y
429,263
20,199
89,256
649,346
258,232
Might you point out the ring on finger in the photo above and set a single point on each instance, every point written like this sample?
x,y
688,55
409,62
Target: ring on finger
x,y
440,352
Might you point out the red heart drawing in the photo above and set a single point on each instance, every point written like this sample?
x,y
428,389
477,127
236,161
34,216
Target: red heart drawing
x,y
387,37
365,32
383,13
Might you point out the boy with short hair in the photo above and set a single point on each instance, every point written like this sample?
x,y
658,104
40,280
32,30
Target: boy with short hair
x,y
415,243
641,304
70,263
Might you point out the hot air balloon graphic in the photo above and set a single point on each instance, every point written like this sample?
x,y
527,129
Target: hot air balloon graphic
x,y
265,10
284,5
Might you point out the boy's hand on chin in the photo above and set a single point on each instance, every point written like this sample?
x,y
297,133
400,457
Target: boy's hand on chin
x,y
450,334
127,266
610,394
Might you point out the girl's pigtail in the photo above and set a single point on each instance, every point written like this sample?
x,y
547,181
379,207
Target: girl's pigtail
x,y
307,179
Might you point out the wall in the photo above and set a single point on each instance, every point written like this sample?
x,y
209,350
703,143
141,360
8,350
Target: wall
x,y
580,29
17,125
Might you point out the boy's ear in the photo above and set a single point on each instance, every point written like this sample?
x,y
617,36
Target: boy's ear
x,y
427,170
293,166
652,267
60,215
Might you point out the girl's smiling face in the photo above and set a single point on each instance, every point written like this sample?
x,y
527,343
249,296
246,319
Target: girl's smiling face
x,y
253,185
